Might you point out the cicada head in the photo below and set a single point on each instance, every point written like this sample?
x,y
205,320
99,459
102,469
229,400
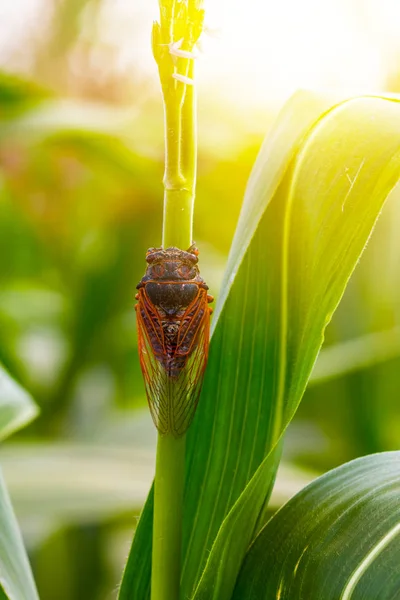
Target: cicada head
x,y
172,278
172,264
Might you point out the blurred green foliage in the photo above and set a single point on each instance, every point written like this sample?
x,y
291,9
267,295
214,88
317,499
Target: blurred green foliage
x,y
81,165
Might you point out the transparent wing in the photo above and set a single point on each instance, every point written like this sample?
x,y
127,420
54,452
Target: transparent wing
x,y
151,350
173,399
185,389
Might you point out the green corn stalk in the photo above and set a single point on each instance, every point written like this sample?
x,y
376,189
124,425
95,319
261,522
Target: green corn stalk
x,y
173,41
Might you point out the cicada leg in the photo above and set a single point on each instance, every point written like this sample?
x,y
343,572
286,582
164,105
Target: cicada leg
x,y
136,298
193,249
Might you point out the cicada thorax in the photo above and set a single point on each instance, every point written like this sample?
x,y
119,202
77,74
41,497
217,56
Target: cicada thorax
x,y
173,324
172,301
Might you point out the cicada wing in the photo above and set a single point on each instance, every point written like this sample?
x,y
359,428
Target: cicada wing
x,y
173,399
184,390
150,345
151,323
192,323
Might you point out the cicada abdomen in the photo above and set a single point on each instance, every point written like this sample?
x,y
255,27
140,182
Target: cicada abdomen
x,y
173,320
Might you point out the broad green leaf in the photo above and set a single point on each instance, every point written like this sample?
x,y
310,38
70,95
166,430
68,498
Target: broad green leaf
x,y
309,240
228,438
339,538
16,579
17,408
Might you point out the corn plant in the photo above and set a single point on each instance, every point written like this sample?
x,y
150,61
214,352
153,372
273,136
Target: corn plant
x,y
316,190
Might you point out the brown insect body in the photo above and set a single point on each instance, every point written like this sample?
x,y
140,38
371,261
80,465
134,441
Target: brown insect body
x,y
173,326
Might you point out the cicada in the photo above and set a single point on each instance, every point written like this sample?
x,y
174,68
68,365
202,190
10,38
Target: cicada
x,y
173,319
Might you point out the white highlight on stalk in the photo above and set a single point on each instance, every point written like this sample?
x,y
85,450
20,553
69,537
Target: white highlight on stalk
x,y
174,50
183,79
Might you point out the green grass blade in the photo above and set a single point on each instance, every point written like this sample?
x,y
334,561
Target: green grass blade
x,y
339,538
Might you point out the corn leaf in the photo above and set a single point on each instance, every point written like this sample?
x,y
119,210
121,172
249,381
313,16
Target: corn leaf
x,y
338,538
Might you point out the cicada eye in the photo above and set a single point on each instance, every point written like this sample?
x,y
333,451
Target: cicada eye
x,y
186,272
158,270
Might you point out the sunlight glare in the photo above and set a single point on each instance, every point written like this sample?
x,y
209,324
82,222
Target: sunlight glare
x,y
268,50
